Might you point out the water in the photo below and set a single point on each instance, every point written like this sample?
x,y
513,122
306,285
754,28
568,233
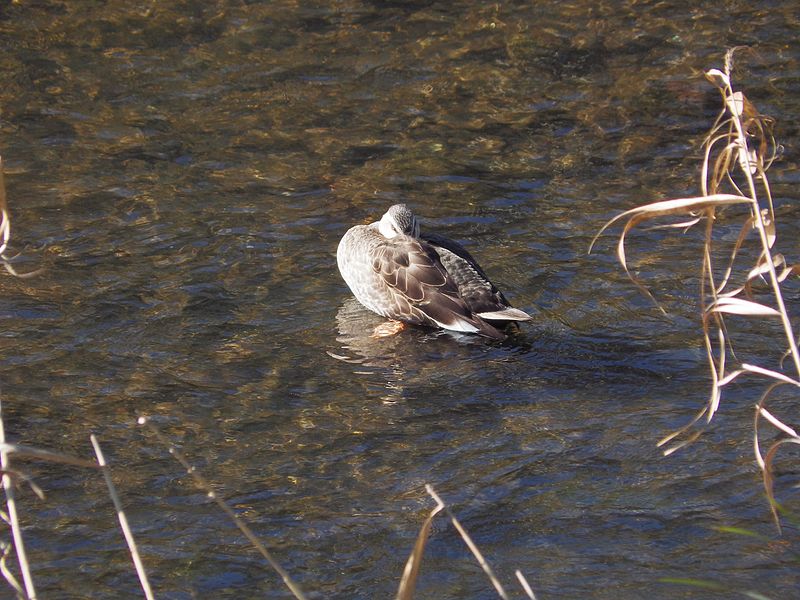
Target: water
x,y
183,174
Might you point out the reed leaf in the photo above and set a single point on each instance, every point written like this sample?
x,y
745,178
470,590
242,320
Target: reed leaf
x,y
203,484
5,220
769,480
20,451
470,544
738,150
123,520
677,206
408,581
739,306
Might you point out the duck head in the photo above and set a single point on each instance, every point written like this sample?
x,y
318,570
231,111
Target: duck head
x,y
399,220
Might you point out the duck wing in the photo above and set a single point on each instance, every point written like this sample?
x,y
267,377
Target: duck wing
x,y
480,295
423,292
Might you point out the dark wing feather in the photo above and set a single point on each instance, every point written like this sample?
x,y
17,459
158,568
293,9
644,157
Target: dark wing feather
x,y
423,290
440,241
475,287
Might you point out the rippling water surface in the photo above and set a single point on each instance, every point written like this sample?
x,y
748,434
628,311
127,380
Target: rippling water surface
x,y
182,173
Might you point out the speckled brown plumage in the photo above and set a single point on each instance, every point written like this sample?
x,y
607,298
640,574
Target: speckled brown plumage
x,y
424,279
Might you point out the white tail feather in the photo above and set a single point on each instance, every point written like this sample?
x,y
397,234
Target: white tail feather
x,y
507,314
458,325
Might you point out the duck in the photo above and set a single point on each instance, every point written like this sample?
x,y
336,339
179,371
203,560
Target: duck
x,y
421,278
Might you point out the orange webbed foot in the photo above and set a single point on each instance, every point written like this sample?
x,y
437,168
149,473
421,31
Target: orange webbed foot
x,y
387,329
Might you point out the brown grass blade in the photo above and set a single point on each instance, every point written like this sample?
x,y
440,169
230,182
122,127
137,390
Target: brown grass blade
x,y
16,530
6,572
683,443
679,225
718,78
778,423
769,482
730,377
722,166
788,270
5,221
408,581
470,544
739,306
770,373
525,585
621,257
747,227
203,484
678,432
123,520
769,227
710,142
763,412
27,479
20,451
717,366
757,420
677,206
762,268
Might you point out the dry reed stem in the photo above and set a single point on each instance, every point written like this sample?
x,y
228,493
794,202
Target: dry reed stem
x,y
740,141
16,530
123,520
27,479
5,231
6,572
768,479
739,107
470,544
408,581
202,483
525,585
411,570
20,451
5,221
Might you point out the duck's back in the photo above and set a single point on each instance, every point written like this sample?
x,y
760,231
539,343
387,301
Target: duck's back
x,y
480,294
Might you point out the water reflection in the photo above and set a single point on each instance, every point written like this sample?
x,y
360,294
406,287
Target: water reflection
x,y
356,327
397,357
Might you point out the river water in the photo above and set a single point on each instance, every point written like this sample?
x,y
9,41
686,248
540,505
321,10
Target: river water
x,y
182,172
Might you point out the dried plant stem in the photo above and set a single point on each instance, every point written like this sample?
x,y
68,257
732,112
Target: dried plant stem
x,y
408,581
776,288
5,231
731,102
737,105
20,451
123,520
739,146
16,531
470,544
202,483
525,585
7,574
5,221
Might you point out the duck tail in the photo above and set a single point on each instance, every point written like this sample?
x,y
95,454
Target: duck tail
x,y
507,314
451,314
